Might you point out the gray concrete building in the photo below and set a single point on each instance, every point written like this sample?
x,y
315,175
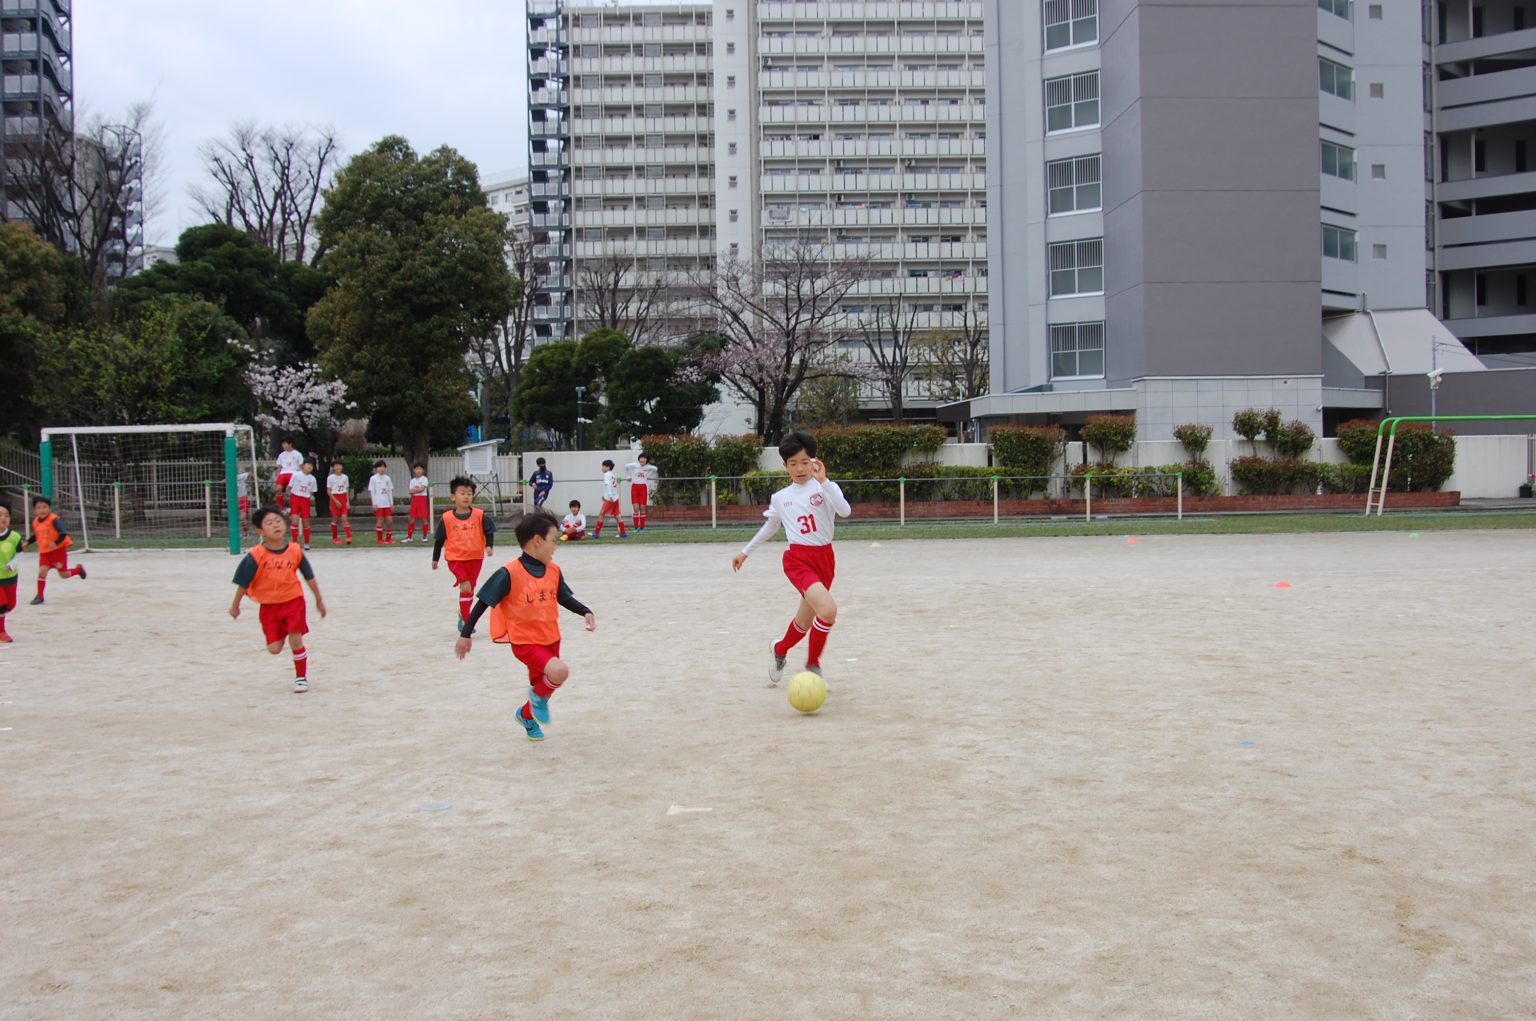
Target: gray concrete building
x,y
36,92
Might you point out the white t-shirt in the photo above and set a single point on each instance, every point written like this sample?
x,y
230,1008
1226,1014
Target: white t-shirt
x,y
807,513
381,489
641,473
243,484
338,485
289,461
303,484
574,523
610,486
419,484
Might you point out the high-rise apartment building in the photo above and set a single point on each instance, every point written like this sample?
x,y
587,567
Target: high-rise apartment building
x,y
1482,171
507,194
36,92
862,126
549,163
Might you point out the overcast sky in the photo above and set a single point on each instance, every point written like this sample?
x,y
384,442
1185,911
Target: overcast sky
x,y
439,72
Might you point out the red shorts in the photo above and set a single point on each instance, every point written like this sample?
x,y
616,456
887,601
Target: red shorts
x,y
244,504
804,566
8,595
576,534
609,507
639,494
419,507
536,658
282,482
383,512
465,570
299,506
339,508
57,558
279,620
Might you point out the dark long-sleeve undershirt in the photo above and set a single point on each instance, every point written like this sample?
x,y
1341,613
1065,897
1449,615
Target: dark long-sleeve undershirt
x,y
499,586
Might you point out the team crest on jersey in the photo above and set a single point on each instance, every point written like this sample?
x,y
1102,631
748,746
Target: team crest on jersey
x,y
816,500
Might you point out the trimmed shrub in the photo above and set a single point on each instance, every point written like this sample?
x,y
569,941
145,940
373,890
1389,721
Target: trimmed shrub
x,y
1422,459
1196,438
1248,423
1272,476
1199,477
681,461
1033,450
1111,435
865,448
1345,478
1292,440
731,457
1357,438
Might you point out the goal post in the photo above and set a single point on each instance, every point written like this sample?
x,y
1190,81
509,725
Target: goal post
x,y
150,485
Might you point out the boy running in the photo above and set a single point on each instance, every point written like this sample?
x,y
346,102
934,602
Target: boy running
x,y
805,508
269,574
53,543
301,496
339,487
610,502
10,548
381,491
642,476
289,461
420,509
575,524
469,535
524,597
542,482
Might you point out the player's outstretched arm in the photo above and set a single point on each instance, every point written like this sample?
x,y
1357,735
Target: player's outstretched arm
x,y
314,587
591,620
234,607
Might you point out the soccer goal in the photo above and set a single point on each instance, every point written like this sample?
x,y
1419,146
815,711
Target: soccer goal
x,y
150,485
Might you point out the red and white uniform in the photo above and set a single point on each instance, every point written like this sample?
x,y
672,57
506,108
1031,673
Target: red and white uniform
x,y
641,478
808,511
574,525
302,488
610,494
288,463
381,491
340,489
418,489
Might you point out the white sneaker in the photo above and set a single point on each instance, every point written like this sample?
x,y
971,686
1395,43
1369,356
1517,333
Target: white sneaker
x,y
777,669
300,685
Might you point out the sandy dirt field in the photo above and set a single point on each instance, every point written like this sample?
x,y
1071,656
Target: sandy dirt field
x,y
1055,778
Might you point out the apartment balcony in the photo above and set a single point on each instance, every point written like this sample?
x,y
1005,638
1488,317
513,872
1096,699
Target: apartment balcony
x,y
972,79
849,181
1493,326
549,221
1479,242
1485,46
905,113
666,155
641,33
551,34
583,187
549,97
639,248
897,251
551,313
644,126
652,94
1485,187
870,45
546,68
862,147
559,159
1518,84
551,251
697,63
958,286
784,216
548,189
642,218
823,10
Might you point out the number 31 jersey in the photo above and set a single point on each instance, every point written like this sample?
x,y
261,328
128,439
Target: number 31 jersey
x,y
807,510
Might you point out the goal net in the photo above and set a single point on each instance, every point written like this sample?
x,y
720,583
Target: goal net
x,y
150,485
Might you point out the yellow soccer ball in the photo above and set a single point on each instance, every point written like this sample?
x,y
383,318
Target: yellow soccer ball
x,y
564,537
807,691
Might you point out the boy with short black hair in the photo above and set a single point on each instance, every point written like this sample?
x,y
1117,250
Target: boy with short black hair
x,y
339,488
642,476
269,574
610,502
524,598
806,508
53,543
542,482
10,548
301,499
289,461
381,491
469,535
574,526
420,509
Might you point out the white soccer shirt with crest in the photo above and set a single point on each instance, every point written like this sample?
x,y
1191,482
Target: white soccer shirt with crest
x,y
338,485
289,462
303,485
419,484
574,523
381,490
808,511
610,486
641,473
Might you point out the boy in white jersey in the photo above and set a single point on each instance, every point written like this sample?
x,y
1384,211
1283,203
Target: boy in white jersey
x,y
610,502
289,461
808,509
642,476
301,494
381,492
421,508
339,488
574,526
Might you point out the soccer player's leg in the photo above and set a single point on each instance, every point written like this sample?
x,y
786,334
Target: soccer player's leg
x,y
300,662
799,626
824,608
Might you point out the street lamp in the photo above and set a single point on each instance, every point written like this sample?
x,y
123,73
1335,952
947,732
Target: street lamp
x,y
581,395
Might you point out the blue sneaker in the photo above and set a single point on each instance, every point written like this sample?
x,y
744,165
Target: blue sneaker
x,y
532,727
539,705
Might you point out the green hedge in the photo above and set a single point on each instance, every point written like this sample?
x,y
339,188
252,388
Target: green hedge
x,y
925,481
1275,476
1422,459
1111,435
873,448
1357,439
1028,449
1111,480
686,458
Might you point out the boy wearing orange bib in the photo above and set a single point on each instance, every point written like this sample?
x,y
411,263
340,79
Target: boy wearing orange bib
x,y
53,543
269,574
468,535
524,598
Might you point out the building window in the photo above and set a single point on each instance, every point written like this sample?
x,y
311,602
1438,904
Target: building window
x,y
655,171
730,48
1378,171
655,202
1378,251
652,50
1522,297
1073,185
730,81
1338,161
730,148
1335,79
1374,13
733,215
654,110
653,141
1072,102
1071,23
1077,350
1339,7
730,14
1520,156
1339,243
1378,90
730,182
1077,267
730,115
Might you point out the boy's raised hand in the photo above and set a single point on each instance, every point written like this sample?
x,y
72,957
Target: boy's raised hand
x,y
818,470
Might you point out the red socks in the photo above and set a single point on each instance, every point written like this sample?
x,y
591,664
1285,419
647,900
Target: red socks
x,y
300,661
466,601
819,631
791,639
42,583
543,687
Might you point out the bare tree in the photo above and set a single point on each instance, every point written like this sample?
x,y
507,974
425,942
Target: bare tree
x,y
268,182
612,292
957,360
783,318
88,192
889,332
498,359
